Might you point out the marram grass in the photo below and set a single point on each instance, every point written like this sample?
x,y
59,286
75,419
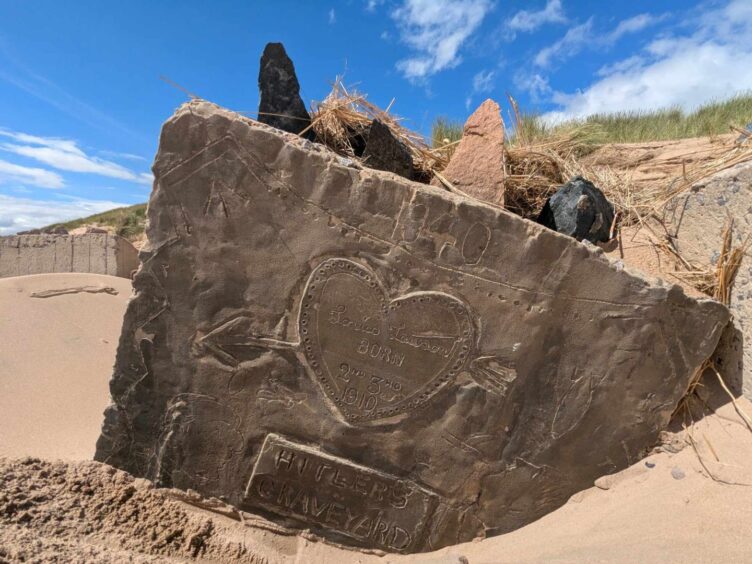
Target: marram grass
x,y
127,222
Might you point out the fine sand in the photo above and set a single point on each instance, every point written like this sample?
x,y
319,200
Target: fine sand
x,y
56,357
689,501
659,162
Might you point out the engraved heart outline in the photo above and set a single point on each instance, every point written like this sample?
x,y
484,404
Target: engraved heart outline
x,y
419,391
234,341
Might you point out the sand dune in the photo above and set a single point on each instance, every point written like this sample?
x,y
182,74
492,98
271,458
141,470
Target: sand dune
x,y
58,335
690,501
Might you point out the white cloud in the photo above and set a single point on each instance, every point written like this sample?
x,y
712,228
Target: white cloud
x,y
128,156
483,82
632,25
21,214
332,17
583,35
16,73
534,84
568,46
528,20
436,30
12,173
64,154
707,63
624,65
371,5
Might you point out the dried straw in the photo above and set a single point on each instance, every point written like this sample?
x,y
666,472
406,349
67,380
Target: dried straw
x,y
536,167
718,284
344,114
533,167
535,170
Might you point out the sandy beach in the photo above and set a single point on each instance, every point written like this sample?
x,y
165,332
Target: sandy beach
x,y
56,360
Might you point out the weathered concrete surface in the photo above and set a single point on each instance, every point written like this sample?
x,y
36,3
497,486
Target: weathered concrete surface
x,y
696,221
385,363
477,165
97,253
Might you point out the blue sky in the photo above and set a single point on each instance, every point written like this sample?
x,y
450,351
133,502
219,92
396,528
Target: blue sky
x,y
81,101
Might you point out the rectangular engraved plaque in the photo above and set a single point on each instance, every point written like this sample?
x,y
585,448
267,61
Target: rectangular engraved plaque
x,y
324,491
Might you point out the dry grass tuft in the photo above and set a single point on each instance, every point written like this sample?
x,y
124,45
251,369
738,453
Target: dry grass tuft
x,y
539,161
534,171
728,264
344,114
717,283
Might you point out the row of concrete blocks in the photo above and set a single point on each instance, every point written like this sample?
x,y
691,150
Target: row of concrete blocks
x,y
98,253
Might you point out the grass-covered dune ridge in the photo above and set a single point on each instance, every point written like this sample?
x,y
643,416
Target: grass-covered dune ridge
x,y
127,222
713,118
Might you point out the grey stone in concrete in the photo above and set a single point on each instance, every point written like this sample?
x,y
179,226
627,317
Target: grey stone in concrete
x,y
696,221
579,209
98,253
385,363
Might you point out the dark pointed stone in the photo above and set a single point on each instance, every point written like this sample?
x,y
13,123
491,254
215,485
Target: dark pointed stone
x,y
280,104
385,152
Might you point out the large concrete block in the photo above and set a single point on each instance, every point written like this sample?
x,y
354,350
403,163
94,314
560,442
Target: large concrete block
x,y
63,254
80,254
10,252
382,362
98,253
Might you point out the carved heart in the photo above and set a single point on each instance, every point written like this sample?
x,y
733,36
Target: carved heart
x,y
374,358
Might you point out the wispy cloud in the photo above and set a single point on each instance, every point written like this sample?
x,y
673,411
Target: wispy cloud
x,y
436,30
20,214
11,173
117,155
530,20
483,82
584,36
332,17
680,70
65,154
568,46
371,5
535,84
632,25
623,65
15,72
